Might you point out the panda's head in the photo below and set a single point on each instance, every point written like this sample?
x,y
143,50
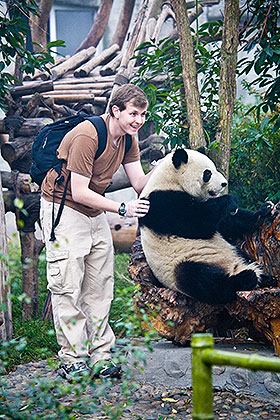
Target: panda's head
x,y
187,170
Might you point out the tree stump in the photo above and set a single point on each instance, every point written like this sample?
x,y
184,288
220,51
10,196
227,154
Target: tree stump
x,y
176,316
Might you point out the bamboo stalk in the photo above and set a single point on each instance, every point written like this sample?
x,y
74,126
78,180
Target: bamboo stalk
x,y
83,86
72,63
112,66
31,87
85,69
96,80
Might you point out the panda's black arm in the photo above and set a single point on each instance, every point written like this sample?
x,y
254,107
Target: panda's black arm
x,y
178,213
235,226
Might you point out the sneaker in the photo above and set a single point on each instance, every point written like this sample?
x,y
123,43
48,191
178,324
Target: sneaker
x,y
106,369
73,371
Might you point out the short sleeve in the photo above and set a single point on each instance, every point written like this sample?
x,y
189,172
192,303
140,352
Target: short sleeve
x,y
133,154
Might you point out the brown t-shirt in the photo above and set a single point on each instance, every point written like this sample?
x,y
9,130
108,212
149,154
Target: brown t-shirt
x,y
78,148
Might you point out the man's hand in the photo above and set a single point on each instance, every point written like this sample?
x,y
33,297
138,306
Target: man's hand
x,y
137,208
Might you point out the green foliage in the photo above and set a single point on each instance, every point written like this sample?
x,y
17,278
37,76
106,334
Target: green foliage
x,y
167,105
167,108
262,36
13,31
255,159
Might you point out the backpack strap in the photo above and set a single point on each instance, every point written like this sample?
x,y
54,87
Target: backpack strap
x,y
101,129
61,206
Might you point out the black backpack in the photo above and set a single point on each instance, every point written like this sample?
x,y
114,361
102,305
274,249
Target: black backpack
x,y
46,143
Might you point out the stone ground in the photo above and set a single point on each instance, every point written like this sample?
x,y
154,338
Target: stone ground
x,y
148,402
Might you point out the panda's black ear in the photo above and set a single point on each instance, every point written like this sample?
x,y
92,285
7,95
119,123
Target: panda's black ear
x,y
202,150
180,156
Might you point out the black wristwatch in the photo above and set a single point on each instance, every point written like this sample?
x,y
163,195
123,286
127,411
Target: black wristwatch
x,y
122,210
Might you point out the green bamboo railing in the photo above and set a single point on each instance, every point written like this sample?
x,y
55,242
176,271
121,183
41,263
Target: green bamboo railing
x,y
204,356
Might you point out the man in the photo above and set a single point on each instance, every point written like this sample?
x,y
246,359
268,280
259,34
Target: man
x,y
80,262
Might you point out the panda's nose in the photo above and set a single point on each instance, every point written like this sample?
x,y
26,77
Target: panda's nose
x,y
224,184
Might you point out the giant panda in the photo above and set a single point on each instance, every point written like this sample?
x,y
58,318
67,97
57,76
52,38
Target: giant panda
x,y
189,232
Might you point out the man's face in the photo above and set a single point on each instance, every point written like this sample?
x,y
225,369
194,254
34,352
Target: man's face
x,y
130,119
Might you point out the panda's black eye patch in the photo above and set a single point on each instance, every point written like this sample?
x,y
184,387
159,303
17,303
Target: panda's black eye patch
x,y
207,175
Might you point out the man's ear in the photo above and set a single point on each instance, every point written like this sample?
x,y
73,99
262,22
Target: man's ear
x,y
116,111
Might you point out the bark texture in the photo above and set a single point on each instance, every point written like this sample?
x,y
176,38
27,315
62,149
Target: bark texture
x,y
99,25
123,23
5,302
227,87
39,25
189,74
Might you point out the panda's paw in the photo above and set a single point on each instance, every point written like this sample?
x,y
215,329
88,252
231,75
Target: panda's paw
x,y
231,205
245,280
265,209
266,281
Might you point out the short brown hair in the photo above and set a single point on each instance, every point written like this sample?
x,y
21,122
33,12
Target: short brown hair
x,y
125,94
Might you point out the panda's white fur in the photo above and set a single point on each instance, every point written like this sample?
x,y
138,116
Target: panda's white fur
x,y
166,252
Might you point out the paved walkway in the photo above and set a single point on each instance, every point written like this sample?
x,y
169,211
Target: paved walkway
x,y
163,389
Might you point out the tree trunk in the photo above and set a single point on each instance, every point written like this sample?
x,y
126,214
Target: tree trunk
x,y
39,25
227,88
5,301
99,25
123,23
189,74
30,250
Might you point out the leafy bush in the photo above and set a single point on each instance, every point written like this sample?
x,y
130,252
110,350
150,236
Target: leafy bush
x,y
255,159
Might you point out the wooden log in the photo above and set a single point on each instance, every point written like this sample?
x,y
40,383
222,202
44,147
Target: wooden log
x,y
257,310
119,181
96,61
31,87
9,197
75,91
29,127
123,231
99,81
18,149
15,178
32,105
83,97
72,62
150,29
4,138
96,87
44,75
112,66
6,325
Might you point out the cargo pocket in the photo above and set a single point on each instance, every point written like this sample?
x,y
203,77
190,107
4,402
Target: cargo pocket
x,y
59,272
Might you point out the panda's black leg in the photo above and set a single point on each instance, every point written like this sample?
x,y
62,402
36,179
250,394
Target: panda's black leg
x,y
245,280
206,283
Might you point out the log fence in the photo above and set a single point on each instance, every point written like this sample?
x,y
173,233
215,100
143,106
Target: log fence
x,y
204,356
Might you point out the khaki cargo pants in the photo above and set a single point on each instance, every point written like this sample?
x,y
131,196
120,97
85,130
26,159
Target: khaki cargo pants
x,y
80,273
